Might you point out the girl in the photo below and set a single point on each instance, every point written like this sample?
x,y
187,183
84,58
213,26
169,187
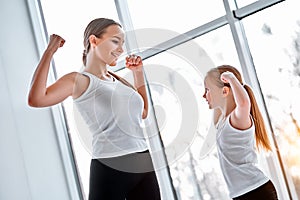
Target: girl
x,y
112,108
239,126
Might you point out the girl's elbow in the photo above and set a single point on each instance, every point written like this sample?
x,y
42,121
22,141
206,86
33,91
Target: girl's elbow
x,y
145,114
246,103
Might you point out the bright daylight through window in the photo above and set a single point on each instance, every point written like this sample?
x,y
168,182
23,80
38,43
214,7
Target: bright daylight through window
x,y
173,74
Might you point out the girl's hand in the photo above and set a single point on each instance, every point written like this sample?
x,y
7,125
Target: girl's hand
x,y
134,62
55,42
225,76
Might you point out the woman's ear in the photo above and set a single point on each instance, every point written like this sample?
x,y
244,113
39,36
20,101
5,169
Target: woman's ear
x,y
93,40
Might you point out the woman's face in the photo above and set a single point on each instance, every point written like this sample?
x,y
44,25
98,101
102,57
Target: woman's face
x,y
212,93
110,45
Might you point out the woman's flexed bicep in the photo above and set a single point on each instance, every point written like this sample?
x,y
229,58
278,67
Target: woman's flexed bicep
x,y
40,95
55,93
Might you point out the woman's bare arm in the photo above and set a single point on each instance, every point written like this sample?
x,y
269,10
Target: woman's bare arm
x,y
136,65
40,95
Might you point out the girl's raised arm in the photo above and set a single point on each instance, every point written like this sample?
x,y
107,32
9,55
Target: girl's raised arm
x,y
241,115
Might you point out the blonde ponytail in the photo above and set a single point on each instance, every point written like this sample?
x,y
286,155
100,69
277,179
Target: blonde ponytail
x,y
261,134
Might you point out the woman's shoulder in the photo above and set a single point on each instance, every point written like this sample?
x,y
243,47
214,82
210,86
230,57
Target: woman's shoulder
x,y
70,76
81,83
75,76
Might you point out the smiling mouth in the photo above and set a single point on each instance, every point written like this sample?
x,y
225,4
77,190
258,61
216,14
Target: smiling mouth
x,y
115,55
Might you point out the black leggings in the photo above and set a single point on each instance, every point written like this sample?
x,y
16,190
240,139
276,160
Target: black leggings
x,y
114,179
265,192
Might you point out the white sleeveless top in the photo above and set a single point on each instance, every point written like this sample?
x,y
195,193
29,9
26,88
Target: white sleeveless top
x,y
238,159
113,113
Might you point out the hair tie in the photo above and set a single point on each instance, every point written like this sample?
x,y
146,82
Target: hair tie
x,y
84,53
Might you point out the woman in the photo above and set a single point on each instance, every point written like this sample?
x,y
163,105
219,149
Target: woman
x,y
112,108
240,127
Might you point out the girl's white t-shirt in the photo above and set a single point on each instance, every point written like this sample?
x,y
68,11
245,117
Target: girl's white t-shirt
x,y
113,114
238,159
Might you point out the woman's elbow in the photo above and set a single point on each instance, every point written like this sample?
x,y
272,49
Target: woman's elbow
x,y
34,101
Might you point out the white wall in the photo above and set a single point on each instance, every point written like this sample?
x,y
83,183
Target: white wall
x,y
31,165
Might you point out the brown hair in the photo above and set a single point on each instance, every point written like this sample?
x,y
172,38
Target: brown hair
x,y
261,135
122,80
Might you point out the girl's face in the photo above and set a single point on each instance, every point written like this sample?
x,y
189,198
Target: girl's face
x,y
212,94
110,45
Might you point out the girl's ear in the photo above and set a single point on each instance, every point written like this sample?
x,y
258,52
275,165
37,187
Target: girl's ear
x,y
225,91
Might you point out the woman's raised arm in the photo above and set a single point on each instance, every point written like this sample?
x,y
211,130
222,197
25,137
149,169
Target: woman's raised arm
x,y
40,95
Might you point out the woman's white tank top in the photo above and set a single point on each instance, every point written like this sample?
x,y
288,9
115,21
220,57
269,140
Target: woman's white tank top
x,y
113,114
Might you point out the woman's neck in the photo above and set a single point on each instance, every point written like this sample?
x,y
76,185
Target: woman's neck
x,y
96,70
96,67
100,72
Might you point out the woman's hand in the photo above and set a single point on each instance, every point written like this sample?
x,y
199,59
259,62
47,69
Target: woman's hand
x,y
134,62
55,42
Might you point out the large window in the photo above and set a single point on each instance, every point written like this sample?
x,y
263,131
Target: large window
x,y
175,16
176,84
241,3
274,39
175,79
